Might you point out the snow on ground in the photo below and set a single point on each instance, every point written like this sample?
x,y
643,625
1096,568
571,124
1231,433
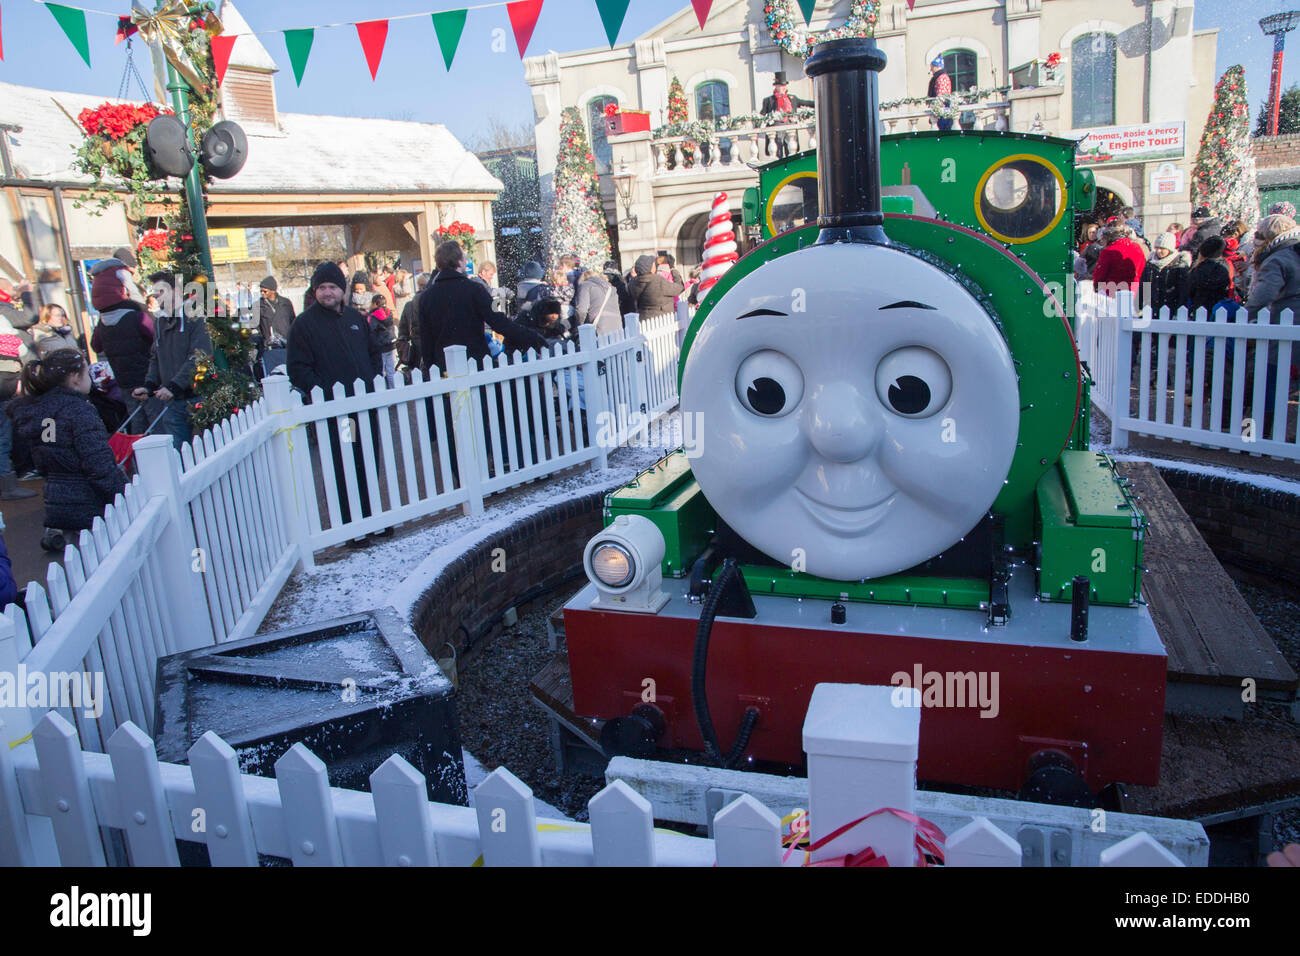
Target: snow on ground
x,y
396,570
1100,441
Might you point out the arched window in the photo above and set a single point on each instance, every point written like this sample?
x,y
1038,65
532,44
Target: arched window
x,y
1092,80
712,100
960,65
600,147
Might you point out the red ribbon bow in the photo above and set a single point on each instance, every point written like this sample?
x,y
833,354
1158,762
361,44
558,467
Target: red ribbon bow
x,y
929,841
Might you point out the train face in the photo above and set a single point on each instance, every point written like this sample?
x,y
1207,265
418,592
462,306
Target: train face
x,y
859,409
892,487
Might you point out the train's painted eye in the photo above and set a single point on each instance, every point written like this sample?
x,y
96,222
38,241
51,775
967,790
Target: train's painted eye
x,y
769,384
913,382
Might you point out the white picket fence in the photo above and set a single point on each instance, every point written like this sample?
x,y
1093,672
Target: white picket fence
x,y
1191,377
199,545
57,802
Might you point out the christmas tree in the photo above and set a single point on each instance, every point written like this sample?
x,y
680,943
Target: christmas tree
x,y
677,113
1224,177
676,102
577,220
222,380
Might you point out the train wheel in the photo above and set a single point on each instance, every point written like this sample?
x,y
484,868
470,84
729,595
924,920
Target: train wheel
x,y
1053,778
634,735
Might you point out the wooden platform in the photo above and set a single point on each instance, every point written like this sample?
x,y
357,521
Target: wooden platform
x,y
1212,637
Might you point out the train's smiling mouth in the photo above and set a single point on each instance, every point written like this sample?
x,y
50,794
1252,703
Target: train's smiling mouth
x,y
850,521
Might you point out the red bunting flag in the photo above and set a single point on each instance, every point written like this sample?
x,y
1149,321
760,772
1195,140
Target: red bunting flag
x,y
702,10
125,30
911,4
373,33
2,44
221,47
523,18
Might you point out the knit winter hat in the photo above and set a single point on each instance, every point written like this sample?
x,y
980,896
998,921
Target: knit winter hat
x,y
644,265
1167,240
268,283
1270,227
327,272
126,256
1282,208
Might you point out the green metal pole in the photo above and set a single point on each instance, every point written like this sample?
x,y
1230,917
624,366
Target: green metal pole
x,y
193,184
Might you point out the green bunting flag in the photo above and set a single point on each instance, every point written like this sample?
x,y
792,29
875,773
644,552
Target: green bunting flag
x,y
806,7
448,26
73,22
612,13
298,43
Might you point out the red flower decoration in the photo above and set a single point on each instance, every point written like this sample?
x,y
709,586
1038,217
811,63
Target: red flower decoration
x,y
115,120
611,109
1053,59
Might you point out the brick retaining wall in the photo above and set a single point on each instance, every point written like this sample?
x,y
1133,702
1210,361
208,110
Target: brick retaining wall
x,y
1273,151
541,550
1253,528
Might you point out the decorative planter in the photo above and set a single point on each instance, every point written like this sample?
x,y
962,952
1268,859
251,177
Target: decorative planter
x,y
628,121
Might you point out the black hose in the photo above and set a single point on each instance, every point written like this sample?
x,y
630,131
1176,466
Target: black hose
x,y
699,670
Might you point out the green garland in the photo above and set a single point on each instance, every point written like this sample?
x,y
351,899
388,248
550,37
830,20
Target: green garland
x,y
794,37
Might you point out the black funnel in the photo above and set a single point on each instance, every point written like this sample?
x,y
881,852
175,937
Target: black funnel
x,y
845,85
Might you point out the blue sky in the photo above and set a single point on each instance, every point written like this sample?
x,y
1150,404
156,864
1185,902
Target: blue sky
x,y
412,83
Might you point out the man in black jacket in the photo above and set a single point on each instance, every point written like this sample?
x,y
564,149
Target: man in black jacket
x,y
453,311
330,343
170,378
276,314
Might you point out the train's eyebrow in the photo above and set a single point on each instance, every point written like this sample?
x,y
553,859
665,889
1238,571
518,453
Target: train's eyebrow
x,y
908,304
750,315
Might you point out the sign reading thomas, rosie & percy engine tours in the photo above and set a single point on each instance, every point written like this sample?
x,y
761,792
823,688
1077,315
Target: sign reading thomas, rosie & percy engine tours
x,y
1126,144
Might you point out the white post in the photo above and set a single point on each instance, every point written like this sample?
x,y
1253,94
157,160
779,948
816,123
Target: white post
x,y
182,588
295,484
1085,319
638,369
468,437
600,422
1123,371
861,744
17,720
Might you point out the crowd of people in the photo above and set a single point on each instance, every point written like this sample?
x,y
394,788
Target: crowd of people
x,y
1212,264
350,330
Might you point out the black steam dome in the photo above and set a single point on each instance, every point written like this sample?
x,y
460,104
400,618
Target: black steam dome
x,y
845,84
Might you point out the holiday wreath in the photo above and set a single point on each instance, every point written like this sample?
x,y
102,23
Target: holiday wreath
x,y
798,41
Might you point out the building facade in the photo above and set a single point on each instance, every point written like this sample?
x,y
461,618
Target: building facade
x,y
1135,82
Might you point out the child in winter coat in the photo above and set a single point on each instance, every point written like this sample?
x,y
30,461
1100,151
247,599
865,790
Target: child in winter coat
x,y
383,338
69,444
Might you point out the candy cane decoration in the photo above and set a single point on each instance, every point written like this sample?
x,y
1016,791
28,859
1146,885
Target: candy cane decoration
x,y
720,250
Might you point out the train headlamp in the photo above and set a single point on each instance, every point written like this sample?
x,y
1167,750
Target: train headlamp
x,y
611,564
624,562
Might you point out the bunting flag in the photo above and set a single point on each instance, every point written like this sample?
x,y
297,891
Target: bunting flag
x,y
373,33
612,13
298,43
449,26
702,10
806,8
911,4
73,23
2,43
523,17
125,30
221,47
